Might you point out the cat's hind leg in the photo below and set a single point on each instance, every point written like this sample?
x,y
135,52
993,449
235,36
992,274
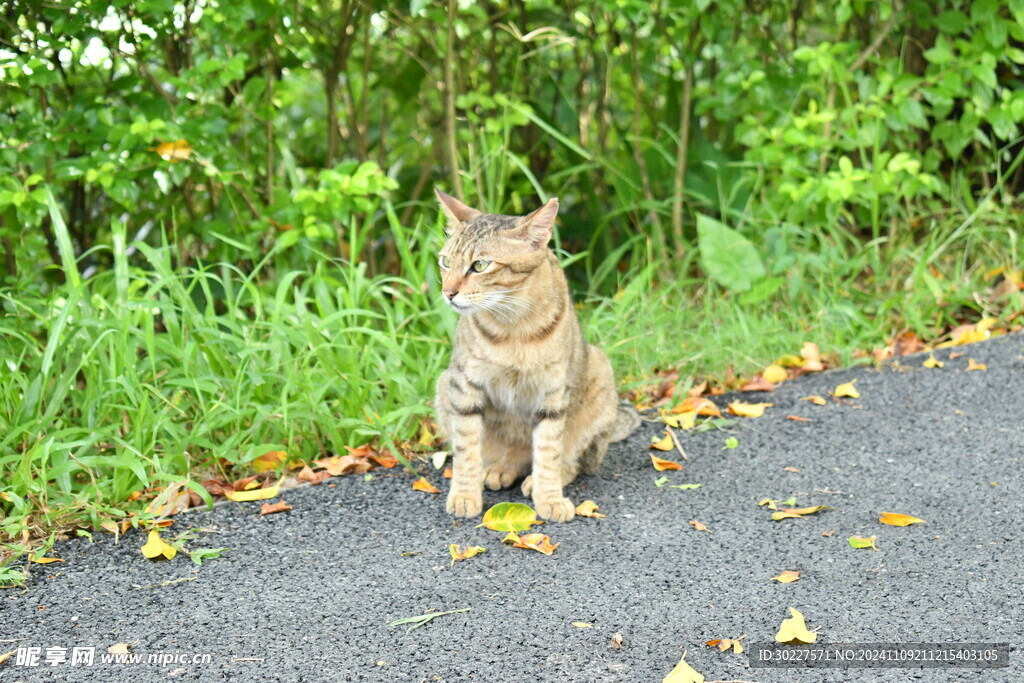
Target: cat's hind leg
x,y
504,464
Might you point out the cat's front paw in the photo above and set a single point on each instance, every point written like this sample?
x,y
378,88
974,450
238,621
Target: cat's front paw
x,y
462,505
555,510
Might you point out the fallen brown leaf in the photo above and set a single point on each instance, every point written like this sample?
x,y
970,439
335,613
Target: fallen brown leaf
x,y
758,384
535,541
797,418
698,526
272,508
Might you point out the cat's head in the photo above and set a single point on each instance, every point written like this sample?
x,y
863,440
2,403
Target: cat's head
x,y
487,261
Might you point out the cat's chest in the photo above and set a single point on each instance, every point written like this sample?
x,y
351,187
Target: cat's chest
x,y
513,390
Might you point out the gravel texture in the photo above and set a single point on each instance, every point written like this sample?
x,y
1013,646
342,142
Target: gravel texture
x,y
307,595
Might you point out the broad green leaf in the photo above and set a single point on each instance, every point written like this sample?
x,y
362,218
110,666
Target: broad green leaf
x,y
727,256
509,517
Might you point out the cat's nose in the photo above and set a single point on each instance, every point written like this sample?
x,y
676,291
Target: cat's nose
x,y
450,293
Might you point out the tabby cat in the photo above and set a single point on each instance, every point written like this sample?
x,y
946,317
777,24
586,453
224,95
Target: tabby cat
x,y
524,394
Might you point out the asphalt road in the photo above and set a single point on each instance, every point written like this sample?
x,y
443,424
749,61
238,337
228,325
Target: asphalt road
x,y
307,595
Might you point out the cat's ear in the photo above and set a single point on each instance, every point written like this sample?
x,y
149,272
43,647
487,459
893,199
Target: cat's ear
x,y
536,228
458,214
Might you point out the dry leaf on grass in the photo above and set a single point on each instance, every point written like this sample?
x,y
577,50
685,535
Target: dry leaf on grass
x,y
269,461
775,374
758,384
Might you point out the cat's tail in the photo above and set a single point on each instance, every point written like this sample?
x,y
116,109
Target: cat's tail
x,y
627,419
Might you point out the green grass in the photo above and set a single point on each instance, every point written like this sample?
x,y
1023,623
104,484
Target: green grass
x,y
144,375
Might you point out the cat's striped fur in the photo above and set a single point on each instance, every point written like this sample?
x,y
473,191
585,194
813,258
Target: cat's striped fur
x,y
524,394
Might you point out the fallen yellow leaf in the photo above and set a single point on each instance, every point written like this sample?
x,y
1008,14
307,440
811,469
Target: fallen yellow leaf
x,y
800,512
459,554
156,547
790,361
788,576
269,461
582,624
775,374
816,400
794,630
422,484
748,409
426,436
703,406
847,390
44,560
698,526
684,420
661,464
933,362
539,542
896,519
256,494
665,444
683,673
588,508
971,365
986,324
723,644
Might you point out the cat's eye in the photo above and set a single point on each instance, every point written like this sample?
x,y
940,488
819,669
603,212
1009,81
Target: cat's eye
x,y
444,262
479,266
